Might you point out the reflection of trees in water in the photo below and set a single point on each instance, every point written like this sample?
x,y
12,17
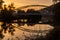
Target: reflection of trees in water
x,y
5,28
6,14
16,38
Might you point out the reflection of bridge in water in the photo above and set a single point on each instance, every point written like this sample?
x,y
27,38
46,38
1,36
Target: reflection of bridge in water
x,y
36,31
37,28
33,31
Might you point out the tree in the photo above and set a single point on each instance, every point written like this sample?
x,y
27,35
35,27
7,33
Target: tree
x,y
54,34
6,16
4,13
30,11
55,1
11,11
1,2
56,11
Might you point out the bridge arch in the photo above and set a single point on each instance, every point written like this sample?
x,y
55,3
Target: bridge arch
x,y
32,6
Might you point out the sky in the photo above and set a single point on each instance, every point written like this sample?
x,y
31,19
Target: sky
x,y
19,3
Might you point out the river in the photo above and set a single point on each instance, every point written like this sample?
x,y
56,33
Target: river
x,y
22,31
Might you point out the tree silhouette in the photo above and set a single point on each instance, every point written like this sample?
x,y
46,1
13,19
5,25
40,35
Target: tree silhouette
x,y
55,1
56,11
30,11
7,16
10,12
4,13
54,35
1,2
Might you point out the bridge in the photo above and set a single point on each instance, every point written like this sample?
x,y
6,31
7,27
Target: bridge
x,y
28,17
32,6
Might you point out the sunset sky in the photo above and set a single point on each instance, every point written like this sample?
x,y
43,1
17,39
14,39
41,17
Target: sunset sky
x,y
19,3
